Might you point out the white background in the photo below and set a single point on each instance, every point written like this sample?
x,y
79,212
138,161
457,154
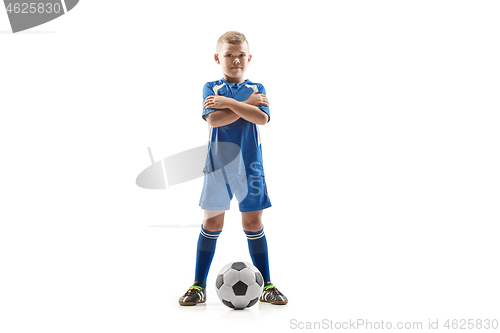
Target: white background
x,y
381,159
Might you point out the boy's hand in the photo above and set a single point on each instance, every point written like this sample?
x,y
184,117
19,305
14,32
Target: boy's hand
x,y
257,99
217,102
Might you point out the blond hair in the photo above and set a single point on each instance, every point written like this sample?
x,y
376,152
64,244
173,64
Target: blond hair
x,y
231,37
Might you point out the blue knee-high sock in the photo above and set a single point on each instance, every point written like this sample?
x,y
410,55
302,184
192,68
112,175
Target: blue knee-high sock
x,y
257,245
204,254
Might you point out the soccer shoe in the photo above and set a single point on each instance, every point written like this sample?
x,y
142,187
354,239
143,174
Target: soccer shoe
x,y
195,294
272,295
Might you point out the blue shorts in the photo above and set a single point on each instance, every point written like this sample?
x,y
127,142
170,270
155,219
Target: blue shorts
x,y
219,188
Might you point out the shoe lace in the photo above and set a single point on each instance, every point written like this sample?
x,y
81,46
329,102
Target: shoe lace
x,y
273,290
192,290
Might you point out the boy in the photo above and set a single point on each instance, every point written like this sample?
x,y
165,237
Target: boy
x,y
233,107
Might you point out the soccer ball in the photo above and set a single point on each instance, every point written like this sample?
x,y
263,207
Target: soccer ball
x,y
239,285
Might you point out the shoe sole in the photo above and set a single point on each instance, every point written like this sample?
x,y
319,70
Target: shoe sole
x,y
191,303
275,302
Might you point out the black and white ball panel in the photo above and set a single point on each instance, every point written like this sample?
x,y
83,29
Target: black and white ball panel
x,y
238,265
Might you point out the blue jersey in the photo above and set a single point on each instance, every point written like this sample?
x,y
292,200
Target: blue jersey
x,y
236,147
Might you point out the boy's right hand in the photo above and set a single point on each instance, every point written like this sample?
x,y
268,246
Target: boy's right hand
x,y
257,99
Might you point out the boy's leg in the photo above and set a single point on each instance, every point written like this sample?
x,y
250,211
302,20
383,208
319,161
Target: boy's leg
x,y
212,226
257,243
210,230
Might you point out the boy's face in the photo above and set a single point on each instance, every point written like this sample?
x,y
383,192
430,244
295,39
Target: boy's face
x,y
234,59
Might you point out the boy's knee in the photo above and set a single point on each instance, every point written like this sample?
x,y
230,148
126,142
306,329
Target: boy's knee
x,y
252,225
212,225
252,221
213,220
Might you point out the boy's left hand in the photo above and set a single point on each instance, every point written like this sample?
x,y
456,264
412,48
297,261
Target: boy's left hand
x,y
217,102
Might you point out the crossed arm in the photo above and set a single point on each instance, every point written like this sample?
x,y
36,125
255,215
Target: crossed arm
x,y
230,110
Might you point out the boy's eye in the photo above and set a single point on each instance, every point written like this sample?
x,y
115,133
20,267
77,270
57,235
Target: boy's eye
x,y
230,55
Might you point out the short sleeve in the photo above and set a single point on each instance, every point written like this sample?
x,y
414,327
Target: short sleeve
x,y
262,90
207,91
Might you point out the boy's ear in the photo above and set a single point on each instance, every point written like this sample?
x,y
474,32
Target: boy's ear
x,y
249,57
216,57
